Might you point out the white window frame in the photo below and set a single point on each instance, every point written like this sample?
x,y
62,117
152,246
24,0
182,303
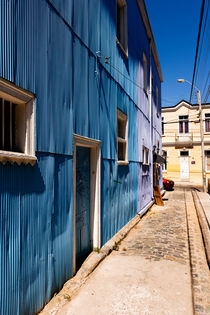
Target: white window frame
x,y
121,26
207,170
123,140
183,150
95,191
206,118
145,155
183,120
165,169
25,100
145,78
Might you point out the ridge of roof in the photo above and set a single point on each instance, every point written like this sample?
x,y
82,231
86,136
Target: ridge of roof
x,y
184,101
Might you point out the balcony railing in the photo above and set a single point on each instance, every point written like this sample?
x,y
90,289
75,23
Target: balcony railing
x,y
184,140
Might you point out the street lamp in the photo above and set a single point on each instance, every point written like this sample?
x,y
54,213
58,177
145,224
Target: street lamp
x,y
201,132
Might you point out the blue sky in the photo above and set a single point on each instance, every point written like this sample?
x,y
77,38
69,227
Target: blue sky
x,y
175,28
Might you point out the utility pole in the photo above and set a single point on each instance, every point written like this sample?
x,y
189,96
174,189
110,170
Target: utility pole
x,y
202,141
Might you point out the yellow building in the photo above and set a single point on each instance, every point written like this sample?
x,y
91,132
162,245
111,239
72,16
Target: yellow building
x,y
181,142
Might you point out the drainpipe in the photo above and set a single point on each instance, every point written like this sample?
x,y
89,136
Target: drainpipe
x,y
151,111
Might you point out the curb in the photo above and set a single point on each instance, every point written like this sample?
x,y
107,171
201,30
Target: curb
x,y
203,224
93,260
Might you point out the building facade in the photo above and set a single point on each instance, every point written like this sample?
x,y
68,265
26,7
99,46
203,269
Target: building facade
x,y
80,99
181,142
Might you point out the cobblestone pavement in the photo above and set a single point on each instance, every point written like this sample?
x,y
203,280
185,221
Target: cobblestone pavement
x,y
162,233
173,233
159,268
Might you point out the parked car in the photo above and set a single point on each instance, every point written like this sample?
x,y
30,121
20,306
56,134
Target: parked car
x,y
168,184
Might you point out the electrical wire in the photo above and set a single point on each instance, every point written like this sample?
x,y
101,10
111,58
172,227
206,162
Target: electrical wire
x,y
206,82
198,41
204,28
136,84
175,120
207,94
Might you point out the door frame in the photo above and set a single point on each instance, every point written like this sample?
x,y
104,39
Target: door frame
x,y
181,156
95,191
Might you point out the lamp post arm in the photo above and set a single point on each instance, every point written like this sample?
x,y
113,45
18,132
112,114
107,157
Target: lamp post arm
x,y
192,85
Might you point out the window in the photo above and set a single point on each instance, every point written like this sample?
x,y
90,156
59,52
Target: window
x,y
122,138
183,124
207,156
122,33
163,130
17,136
207,122
184,153
145,72
164,166
145,155
158,147
157,100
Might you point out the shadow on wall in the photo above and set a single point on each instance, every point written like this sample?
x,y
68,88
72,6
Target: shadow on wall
x,y
23,179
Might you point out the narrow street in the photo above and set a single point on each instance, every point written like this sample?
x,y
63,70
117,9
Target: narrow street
x,y
159,268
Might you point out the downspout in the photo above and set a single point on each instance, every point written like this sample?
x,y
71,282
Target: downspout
x,y
151,111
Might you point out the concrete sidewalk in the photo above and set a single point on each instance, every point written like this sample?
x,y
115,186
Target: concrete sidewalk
x,y
150,272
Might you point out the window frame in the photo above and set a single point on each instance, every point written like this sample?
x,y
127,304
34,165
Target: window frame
x,y
123,140
122,26
206,164
207,119
162,126
184,121
25,99
165,165
145,155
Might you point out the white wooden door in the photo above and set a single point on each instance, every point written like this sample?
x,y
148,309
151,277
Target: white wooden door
x,y
184,167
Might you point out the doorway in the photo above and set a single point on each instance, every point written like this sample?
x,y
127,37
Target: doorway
x,y
86,220
184,165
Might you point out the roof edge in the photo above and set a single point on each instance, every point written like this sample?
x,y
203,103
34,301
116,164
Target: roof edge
x,y
189,105
145,18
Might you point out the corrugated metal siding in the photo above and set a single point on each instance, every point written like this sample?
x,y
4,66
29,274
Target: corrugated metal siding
x,y
118,182
36,227
49,48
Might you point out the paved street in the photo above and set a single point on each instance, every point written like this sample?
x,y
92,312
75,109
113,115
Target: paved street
x,y
159,268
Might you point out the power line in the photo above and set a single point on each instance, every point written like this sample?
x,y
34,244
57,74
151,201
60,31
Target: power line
x,y
175,120
204,28
207,94
206,82
198,40
127,78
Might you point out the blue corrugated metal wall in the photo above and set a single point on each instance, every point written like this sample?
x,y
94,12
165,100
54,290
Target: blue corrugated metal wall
x,y
49,48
